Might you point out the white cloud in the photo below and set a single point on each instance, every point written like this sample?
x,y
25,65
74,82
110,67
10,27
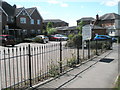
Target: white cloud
x,y
61,3
64,5
110,2
19,6
82,6
52,1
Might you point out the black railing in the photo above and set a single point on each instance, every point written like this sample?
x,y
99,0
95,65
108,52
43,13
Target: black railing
x,y
25,66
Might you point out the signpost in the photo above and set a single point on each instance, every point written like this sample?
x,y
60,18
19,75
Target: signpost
x,y
86,36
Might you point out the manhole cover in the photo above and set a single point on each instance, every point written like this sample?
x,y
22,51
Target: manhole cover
x,y
106,60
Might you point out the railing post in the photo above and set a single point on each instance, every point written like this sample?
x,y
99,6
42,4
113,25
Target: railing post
x,y
78,55
29,56
60,56
96,47
88,49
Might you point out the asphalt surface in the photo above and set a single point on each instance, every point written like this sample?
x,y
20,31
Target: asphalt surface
x,y
100,72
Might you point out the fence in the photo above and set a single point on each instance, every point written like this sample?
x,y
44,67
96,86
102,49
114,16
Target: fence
x,y
22,67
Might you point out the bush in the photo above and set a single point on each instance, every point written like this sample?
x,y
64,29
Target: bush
x,y
100,44
70,36
75,41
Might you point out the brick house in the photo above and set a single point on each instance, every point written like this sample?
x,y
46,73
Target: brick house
x,y
67,30
20,22
55,22
8,14
110,22
36,22
86,20
29,20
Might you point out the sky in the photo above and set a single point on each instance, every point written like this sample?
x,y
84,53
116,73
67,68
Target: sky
x,y
69,10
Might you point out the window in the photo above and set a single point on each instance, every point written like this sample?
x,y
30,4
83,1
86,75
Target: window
x,y
38,21
32,21
22,20
32,31
39,31
24,32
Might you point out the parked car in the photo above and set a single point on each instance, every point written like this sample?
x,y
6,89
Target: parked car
x,y
7,40
42,38
105,37
58,37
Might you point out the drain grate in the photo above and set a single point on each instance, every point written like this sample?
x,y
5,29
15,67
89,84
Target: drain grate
x,y
106,60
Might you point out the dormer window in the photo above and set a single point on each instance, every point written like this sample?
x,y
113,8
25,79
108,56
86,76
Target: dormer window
x,y
32,21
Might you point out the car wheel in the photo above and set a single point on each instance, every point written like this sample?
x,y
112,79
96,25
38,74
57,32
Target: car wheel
x,y
13,45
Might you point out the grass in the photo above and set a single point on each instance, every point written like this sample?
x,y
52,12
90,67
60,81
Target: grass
x,y
117,85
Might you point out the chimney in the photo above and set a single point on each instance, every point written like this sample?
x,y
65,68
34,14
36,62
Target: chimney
x,y
14,6
97,17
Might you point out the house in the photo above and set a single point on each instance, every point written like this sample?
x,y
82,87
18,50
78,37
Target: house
x,y
29,20
96,25
8,13
110,21
20,22
86,20
98,30
55,22
36,22
67,30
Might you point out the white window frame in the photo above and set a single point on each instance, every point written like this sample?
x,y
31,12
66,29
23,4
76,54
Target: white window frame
x,y
38,21
32,21
23,20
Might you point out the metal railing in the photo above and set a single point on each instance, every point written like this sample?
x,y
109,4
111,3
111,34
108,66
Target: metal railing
x,y
25,66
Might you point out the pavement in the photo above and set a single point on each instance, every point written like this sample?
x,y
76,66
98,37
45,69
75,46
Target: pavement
x,y
100,72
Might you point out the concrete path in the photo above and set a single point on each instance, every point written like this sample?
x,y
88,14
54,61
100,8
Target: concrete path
x,y
101,72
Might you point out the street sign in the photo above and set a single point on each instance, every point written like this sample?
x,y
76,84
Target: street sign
x,y
87,32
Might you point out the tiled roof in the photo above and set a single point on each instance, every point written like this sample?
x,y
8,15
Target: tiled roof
x,y
86,19
30,10
10,10
109,16
53,20
67,28
18,10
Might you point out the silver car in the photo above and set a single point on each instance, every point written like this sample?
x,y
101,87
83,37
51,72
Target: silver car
x,y
44,38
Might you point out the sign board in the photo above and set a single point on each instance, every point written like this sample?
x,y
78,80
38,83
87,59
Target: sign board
x,y
87,32
117,24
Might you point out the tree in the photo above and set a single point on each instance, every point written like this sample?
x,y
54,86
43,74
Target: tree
x,y
50,30
80,25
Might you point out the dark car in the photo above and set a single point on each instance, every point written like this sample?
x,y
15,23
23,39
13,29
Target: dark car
x,y
58,37
7,40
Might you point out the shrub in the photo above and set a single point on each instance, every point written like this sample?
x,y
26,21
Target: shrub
x,y
77,40
54,70
72,61
70,36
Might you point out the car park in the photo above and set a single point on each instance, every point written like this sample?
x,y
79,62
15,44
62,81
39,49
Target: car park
x,y
58,37
7,40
